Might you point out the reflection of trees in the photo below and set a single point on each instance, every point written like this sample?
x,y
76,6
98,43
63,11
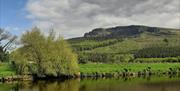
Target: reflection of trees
x,y
136,84
8,86
68,85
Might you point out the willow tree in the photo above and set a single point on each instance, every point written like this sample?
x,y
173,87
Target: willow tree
x,y
45,55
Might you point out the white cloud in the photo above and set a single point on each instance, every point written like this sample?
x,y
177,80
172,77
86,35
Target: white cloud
x,y
72,18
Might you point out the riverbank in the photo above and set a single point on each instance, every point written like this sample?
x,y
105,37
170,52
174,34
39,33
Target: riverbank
x,y
8,73
129,69
16,78
6,69
103,70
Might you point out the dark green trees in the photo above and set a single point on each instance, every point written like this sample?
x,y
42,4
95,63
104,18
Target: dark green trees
x,y
44,55
6,40
158,52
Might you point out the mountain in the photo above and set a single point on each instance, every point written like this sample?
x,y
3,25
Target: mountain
x,y
100,44
125,31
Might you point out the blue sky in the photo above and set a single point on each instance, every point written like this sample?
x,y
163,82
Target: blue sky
x,y
13,16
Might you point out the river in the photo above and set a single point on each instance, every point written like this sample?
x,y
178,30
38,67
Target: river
x,y
94,84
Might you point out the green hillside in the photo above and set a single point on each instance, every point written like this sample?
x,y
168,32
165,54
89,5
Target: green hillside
x,y
122,43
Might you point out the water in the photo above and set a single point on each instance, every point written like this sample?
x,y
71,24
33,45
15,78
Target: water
x,y
110,84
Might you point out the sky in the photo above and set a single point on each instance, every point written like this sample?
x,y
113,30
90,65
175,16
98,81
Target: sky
x,y
73,18
13,16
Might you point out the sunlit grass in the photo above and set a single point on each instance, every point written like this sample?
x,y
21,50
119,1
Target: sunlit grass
x,y
134,67
6,70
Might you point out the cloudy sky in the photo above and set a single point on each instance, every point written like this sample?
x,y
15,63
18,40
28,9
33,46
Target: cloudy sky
x,y
72,18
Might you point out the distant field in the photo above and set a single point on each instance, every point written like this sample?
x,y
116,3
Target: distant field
x,y
135,67
6,70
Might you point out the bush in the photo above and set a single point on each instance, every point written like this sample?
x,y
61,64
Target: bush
x,y
44,55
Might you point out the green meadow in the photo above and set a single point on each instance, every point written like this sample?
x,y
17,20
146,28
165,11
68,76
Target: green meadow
x,y
6,70
134,67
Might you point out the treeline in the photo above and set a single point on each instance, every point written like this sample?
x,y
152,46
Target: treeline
x,y
93,45
121,58
145,55
104,57
98,39
157,60
158,52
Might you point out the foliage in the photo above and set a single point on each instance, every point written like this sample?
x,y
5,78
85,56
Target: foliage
x,y
158,52
93,44
150,42
6,69
4,55
104,57
44,55
6,41
157,60
117,51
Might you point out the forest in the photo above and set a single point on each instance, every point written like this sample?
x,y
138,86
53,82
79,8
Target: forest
x,y
144,42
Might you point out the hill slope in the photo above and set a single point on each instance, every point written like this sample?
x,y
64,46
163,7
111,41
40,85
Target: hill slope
x,y
124,42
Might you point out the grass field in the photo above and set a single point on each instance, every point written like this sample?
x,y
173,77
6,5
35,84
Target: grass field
x,y
135,67
6,70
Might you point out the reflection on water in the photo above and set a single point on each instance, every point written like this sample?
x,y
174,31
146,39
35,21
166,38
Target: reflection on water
x,y
111,84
